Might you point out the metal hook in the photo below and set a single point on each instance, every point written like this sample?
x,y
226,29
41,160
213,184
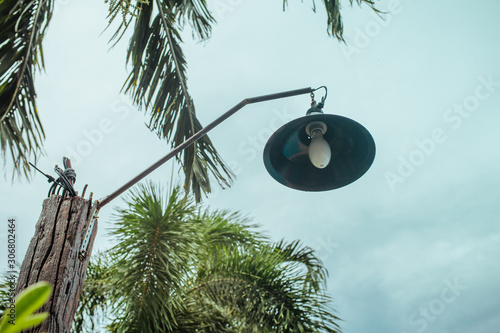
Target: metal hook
x,y
326,93
313,102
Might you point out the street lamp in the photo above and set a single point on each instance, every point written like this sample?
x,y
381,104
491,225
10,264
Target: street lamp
x,y
351,146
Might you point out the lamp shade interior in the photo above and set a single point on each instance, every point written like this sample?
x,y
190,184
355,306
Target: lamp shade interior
x,y
352,153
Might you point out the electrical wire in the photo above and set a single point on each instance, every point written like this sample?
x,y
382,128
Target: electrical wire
x,y
66,180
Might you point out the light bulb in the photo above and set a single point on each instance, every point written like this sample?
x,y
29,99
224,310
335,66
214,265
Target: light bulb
x,y
319,150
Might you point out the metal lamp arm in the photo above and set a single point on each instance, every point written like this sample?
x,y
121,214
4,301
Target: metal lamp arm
x,y
199,134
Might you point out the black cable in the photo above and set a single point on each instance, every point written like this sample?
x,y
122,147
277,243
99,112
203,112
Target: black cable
x,y
50,178
66,180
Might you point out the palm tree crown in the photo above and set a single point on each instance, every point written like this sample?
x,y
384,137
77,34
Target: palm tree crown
x,y
178,269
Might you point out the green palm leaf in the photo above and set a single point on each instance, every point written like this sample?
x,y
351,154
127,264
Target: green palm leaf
x,y
22,27
157,241
158,83
294,252
334,21
255,289
223,228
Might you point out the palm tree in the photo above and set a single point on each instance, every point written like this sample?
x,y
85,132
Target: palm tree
x,y
175,268
157,81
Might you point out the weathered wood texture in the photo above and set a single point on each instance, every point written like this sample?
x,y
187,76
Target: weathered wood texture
x,y
53,256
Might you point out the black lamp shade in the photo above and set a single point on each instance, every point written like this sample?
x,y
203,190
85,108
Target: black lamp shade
x,y
286,153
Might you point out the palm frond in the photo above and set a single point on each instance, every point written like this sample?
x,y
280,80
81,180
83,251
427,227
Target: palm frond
x,y
223,228
193,12
294,252
335,26
156,243
158,84
256,290
22,27
197,15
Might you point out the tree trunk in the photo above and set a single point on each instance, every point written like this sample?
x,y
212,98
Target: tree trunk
x,y
52,256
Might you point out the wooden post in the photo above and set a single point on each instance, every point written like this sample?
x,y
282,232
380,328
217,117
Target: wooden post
x,y
52,256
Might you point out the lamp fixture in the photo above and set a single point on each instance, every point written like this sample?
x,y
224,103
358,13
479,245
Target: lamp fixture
x,y
319,152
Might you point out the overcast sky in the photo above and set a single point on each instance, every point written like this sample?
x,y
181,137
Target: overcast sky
x,y
413,245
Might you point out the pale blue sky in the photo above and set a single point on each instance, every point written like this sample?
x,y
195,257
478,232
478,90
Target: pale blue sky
x,y
413,245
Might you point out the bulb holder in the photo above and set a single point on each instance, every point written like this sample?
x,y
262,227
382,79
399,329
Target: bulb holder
x,y
315,126
286,152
